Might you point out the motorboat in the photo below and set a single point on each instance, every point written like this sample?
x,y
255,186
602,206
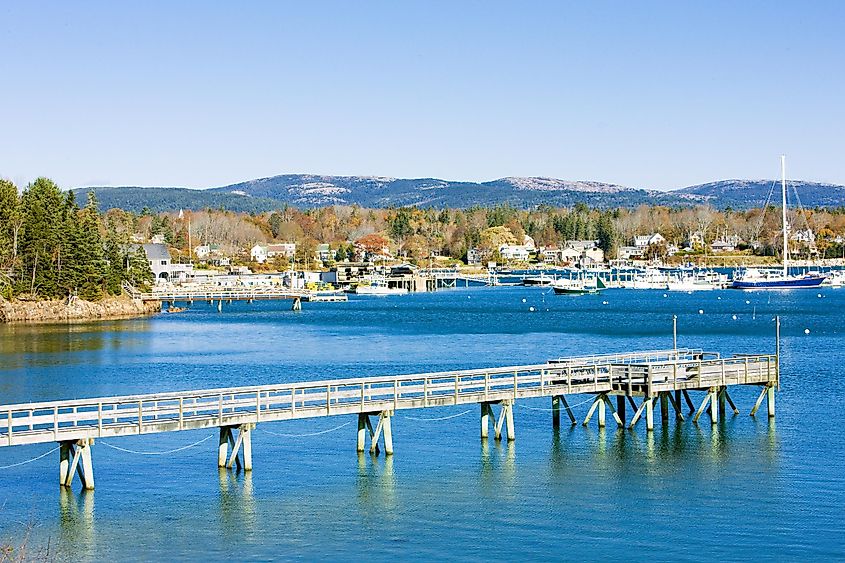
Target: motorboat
x,y
578,286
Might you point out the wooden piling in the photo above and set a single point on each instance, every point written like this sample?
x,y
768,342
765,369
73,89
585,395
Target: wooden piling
x,y
362,432
223,446
601,411
770,403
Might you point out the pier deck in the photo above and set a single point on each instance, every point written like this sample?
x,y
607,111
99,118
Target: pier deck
x,y
651,375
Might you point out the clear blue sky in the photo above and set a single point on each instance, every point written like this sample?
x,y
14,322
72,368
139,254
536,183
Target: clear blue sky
x,y
645,94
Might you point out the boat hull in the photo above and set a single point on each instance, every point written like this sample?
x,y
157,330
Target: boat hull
x,y
791,283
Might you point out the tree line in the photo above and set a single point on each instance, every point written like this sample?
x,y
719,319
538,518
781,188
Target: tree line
x,y
52,248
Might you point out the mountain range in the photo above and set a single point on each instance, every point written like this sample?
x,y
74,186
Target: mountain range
x,y
306,190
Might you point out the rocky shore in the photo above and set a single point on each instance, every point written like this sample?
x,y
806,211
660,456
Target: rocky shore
x,y
64,310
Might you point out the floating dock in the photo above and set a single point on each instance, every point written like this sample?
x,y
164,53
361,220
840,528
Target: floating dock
x,y
641,380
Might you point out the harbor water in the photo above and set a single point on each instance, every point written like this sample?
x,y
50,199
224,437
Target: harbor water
x,y
745,488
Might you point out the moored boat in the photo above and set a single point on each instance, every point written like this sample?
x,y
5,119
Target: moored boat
x,y
578,286
753,278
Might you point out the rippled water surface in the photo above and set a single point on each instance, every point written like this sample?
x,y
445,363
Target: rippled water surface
x,y
747,488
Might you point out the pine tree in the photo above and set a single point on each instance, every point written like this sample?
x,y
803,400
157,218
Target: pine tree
x,y
42,206
90,265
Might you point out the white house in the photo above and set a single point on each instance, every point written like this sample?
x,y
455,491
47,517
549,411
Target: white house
x,y
515,252
261,253
162,265
644,241
473,256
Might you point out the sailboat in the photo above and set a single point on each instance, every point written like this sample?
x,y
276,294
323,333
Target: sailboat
x,y
754,278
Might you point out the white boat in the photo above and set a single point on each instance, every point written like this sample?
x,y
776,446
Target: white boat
x,y
753,278
836,278
379,287
698,281
652,278
578,286
541,280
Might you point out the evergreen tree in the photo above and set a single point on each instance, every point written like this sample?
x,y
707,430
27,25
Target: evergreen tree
x,y
606,235
42,208
9,223
88,265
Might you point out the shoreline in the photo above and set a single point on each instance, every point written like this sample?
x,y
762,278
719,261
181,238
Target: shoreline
x,y
77,310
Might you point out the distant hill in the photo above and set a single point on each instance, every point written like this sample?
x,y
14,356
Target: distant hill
x,y
305,190
742,194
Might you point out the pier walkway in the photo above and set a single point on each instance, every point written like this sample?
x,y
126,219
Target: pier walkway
x,y
229,294
664,377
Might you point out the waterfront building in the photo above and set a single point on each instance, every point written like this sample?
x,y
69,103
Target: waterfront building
x,y
261,253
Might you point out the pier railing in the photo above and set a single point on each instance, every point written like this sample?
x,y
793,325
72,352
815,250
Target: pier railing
x,y
164,412
681,374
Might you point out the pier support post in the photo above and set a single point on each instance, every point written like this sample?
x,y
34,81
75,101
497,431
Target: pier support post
x,y
65,455
223,445
75,458
649,413
297,304
486,411
555,411
714,407
664,408
241,447
722,392
507,407
220,306
620,407
505,418
568,410
770,402
676,404
383,428
690,404
601,412
363,419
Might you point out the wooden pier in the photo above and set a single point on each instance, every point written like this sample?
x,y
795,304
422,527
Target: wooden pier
x,y
211,295
640,380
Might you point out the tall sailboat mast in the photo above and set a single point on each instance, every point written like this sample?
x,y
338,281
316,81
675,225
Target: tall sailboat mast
x,y
783,193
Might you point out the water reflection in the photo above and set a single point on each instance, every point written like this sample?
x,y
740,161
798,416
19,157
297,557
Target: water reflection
x,y
376,484
497,470
76,522
667,445
238,515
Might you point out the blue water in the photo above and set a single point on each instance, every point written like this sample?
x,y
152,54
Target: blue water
x,y
747,488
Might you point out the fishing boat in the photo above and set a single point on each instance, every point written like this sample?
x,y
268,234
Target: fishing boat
x,y
578,286
753,278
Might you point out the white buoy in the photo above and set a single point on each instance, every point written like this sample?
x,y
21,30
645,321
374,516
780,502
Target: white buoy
x,y
819,295
665,295
806,331
523,300
734,317
747,302
701,311
718,298
604,302
531,309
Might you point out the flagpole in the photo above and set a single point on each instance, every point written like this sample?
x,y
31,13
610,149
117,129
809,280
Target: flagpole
x,y
190,244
